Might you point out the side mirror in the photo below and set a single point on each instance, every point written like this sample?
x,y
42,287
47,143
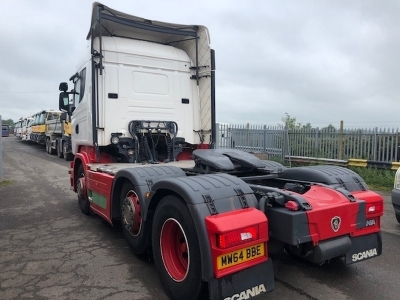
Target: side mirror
x,y
63,87
63,116
63,102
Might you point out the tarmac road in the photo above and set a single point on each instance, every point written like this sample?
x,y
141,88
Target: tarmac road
x,y
49,250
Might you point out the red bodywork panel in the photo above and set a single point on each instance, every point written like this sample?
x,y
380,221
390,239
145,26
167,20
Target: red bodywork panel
x,y
333,214
328,204
100,183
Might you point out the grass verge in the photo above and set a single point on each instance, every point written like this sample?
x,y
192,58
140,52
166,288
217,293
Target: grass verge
x,y
6,183
377,179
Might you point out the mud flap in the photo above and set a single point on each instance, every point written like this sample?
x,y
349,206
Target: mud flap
x,y
364,247
245,284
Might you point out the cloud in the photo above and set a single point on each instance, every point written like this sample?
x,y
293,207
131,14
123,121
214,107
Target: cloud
x,y
319,61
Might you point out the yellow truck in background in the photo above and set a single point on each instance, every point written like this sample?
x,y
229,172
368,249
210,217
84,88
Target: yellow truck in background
x,y
53,129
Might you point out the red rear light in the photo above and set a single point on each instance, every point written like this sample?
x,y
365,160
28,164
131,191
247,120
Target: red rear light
x,y
374,208
237,237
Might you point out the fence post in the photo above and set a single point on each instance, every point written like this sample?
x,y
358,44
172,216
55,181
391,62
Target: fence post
x,y
316,141
265,139
247,133
217,136
286,146
375,142
396,149
340,150
1,151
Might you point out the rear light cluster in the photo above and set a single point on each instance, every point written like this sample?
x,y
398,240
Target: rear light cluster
x,y
238,240
238,237
374,208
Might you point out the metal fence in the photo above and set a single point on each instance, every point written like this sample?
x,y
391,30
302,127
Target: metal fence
x,y
371,144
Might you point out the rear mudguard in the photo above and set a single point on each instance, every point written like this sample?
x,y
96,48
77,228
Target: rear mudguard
x,y
212,195
246,284
364,247
330,175
274,166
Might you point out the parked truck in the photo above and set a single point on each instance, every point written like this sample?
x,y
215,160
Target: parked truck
x,y
52,129
46,127
29,129
26,128
18,128
142,112
63,141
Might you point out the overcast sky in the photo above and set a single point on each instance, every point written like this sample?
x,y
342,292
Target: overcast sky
x,y
319,61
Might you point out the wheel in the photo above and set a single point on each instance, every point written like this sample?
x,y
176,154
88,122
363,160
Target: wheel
x,y
176,249
67,156
51,150
134,230
398,217
47,146
83,200
59,150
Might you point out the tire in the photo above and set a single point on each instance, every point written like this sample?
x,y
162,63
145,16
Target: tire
x,y
135,231
398,217
176,250
67,156
83,200
47,146
51,150
59,150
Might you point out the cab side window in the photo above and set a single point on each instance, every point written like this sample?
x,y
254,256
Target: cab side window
x,y
79,86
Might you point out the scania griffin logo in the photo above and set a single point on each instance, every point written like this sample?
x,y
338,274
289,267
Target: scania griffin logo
x,y
335,223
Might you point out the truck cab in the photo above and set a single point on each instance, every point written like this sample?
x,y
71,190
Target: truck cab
x,y
149,100
26,128
18,129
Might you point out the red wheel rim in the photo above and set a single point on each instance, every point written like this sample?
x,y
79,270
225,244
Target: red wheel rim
x,y
174,250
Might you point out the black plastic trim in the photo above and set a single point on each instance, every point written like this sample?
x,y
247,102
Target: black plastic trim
x,y
148,26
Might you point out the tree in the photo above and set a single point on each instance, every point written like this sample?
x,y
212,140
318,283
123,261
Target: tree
x,y
9,122
329,128
290,123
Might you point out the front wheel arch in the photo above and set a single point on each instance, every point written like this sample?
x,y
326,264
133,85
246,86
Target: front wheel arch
x,y
83,199
77,164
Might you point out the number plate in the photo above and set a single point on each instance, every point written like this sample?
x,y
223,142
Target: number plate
x,y
240,256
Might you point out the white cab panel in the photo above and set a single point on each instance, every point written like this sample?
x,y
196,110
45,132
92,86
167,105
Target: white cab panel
x,y
150,80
